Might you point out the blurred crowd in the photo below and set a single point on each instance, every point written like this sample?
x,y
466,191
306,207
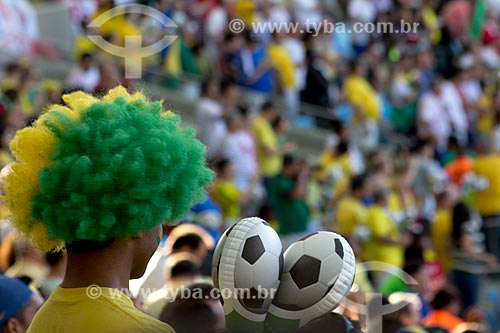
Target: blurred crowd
x,y
409,171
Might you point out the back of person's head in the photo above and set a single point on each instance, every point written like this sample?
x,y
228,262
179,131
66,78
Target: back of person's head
x,y
342,148
226,85
358,183
443,299
460,216
196,308
188,243
289,160
380,197
18,305
330,322
268,106
181,267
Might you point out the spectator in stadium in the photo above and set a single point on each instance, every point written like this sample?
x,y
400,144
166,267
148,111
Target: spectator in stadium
x,y
104,255
227,195
487,201
270,155
469,260
387,243
284,66
287,193
85,75
445,309
180,272
434,121
191,313
360,93
255,69
30,264
210,117
239,148
18,305
57,263
316,86
185,238
443,226
351,212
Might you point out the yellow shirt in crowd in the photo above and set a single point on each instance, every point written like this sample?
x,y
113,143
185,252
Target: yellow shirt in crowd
x,y
284,65
360,93
381,226
226,194
441,232
350,213
269,164
488,201
71,310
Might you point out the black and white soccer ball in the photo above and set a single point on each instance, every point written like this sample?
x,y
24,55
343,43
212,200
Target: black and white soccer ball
x,y
318,273
247,266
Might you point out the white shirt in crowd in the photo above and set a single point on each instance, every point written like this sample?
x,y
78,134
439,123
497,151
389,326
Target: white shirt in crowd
x,y
211,126
297,52
433,115
84,79
455,107
239,148
307,11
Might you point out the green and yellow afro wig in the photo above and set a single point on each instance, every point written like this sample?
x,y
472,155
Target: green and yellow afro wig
x,y
103,168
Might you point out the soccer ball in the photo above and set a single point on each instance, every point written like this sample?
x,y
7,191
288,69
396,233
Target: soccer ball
x,y
318,272
247,263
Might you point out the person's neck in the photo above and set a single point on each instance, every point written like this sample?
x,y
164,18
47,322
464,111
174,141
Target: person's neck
x,y
105,268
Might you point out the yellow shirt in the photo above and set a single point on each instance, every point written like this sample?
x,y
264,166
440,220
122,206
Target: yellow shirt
x,y
226,194
360,93
270,165
350,213
441,232
488,201
283,64
71,310
381,226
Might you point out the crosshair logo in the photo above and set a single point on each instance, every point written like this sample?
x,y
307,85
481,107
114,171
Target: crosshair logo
x,y
374,309
133,51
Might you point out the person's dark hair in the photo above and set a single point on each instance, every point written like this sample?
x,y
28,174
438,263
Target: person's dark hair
x,y
267,106
86,56
421,144
413,267
342,148
330,322
380,196
443,298
185,268
441,196
221,165
54,257
358,183
460,215
277,121
288,160
11,68
206,84
194,314
226,84
12,95
243,110
191,240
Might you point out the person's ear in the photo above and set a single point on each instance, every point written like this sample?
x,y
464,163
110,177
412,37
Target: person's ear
x,y
13,325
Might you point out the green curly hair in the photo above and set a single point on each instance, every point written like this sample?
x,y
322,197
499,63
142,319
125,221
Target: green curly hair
x,y
102,169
